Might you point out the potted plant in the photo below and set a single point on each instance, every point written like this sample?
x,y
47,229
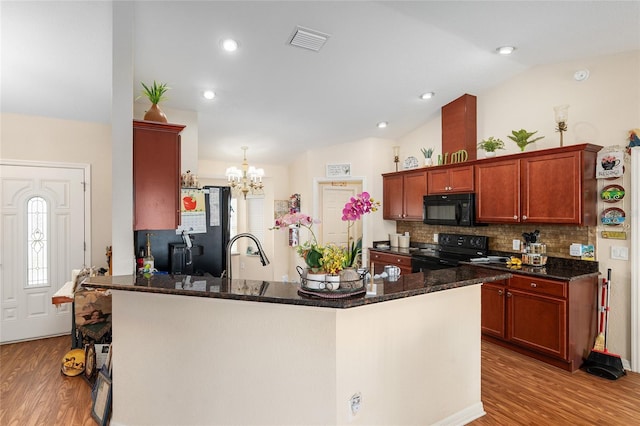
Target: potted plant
x,y
490,145
155,94
427,152
521,138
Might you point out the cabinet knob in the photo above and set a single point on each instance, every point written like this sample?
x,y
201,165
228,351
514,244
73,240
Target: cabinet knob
x,y
534,285
515,217
500,292
524,217
509,294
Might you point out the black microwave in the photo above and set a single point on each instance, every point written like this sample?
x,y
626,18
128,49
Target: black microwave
x,y
450,209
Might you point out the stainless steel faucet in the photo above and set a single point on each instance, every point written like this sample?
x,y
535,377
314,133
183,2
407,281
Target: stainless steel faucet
x,y
263,257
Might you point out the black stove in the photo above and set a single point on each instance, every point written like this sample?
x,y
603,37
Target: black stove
x,y
451,249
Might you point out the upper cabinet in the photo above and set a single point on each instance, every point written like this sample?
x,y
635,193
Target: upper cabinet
x,y
550,186
448,180
156,175
402,194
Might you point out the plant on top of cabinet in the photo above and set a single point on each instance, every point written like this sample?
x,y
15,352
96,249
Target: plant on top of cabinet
x,y
521,138
427,152
155,94
490,145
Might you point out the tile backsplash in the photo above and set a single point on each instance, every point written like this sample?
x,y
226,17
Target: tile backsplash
x,y
558,238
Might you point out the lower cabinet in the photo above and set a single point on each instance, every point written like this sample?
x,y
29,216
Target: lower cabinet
x,y
551,320
380,259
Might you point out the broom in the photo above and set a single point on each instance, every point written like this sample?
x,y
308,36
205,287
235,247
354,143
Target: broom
x,y
599,343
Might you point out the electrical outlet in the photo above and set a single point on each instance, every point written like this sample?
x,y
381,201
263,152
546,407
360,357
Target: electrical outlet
x,y
355,402
435,238
575,249
241,265
285,278
516,245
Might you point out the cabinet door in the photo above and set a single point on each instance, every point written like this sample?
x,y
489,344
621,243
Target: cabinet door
x,y
392,201
156,175
537,322
551,188
415,188
437,181
493,296
461,179
498,191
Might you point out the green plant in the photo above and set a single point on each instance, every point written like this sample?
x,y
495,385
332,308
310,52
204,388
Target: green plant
x,y
491,144
521,138
156,92
427,152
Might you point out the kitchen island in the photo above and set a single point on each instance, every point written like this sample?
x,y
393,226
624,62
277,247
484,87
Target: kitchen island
x,y
203,350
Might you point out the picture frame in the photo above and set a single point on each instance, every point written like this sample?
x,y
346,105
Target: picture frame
x,y
101,408
338,170
280,208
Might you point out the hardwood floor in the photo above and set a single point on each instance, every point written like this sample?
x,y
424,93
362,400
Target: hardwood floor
x,y
516,390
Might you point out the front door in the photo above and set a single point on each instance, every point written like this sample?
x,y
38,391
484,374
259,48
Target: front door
x,y
43,225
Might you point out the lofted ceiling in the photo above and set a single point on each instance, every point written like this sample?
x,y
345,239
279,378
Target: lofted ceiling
x,y
280,100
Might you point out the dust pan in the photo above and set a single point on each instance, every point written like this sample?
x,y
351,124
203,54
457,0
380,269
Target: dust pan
x,y
600,361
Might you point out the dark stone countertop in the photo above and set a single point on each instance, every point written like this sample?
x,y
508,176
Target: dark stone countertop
x,y
287,293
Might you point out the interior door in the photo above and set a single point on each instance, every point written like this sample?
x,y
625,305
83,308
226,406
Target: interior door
x,y
334,196
43,218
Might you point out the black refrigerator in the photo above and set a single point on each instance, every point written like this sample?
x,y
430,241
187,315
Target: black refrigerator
x,y
208,228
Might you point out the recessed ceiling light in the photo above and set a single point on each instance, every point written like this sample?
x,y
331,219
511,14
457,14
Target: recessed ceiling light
x,y
382,124
427,95
229,45
209,94
505,50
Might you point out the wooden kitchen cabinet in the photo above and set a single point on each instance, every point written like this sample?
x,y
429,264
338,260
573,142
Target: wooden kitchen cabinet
x,y
494,308
156,175
402,194
449,180
459,127
551,320
555,186
380,259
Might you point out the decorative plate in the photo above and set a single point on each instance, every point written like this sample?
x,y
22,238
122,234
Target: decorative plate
x,y
612,193
73,362
612,216
410,162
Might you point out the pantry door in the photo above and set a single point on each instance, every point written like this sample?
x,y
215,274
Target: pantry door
x,y
334,195
43,239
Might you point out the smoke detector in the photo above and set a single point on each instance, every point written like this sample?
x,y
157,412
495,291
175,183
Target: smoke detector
x,y
308,39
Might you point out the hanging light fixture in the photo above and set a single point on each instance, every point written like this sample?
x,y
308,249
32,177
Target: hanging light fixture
x,y
247,179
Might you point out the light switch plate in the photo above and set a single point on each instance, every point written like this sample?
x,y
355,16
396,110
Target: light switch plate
x,y
619,253
516,245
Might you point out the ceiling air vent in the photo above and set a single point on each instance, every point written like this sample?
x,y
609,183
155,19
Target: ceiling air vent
x,y
308,39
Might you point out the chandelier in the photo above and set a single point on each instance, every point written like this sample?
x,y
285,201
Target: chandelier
x,y
246,179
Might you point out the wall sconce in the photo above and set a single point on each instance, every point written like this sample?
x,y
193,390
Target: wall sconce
x,y
561,115
396,156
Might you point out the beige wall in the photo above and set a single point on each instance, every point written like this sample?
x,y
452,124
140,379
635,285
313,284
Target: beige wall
x,y
33,138
602,110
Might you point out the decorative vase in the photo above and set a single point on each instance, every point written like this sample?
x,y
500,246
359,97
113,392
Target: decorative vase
x,y
350,278
489,154
315,281
332,281
155,114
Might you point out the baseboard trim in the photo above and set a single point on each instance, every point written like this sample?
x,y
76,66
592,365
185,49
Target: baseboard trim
x,y
464,416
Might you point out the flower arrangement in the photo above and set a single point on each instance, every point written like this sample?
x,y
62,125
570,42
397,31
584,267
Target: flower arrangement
x,y
353,210
331,258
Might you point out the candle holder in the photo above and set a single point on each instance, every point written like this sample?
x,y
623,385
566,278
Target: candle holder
x,y
561,116
396,156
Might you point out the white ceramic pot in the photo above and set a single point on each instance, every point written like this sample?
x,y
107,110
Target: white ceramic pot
x,y
393,240
332,281
489,154
403,241
315,281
